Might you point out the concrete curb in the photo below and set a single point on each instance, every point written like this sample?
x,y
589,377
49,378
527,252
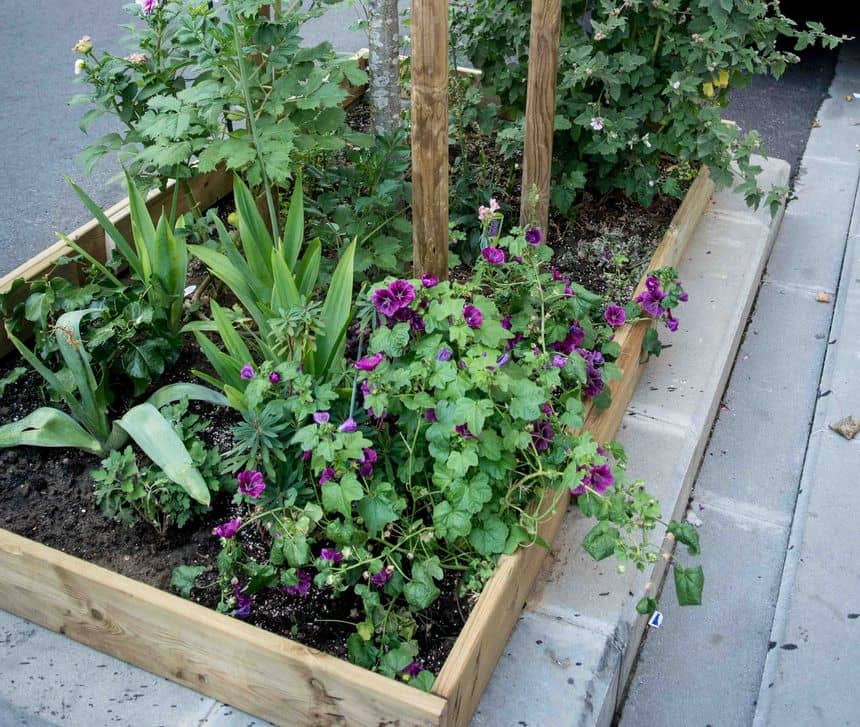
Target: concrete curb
x,y
577,640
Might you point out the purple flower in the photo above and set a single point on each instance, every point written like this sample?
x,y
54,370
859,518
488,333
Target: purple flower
x,y
381,578
652,283
412,670
247,372
369,455
321,417
598,478
384,302
417,323
430,415
568,290
444,354
650,302
473,316
330,554
684,297
463,431
243,602
251,483
348,427
575,336
493,255
503,359
326,475
365,464
302,588
594,381
229,529
274,377
559,361
368,363
402,292
542,435
615,316
506,323
533,236
429,281
546,408
306,455
147,7
556,275
671,323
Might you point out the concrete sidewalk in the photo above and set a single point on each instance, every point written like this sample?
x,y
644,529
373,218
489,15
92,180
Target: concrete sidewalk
x,y
778,491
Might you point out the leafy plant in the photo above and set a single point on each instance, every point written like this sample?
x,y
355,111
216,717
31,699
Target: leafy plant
x,y
87,426
126,491
638,81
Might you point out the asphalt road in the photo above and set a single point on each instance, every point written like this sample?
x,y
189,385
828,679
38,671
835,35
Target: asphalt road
x,y
41,138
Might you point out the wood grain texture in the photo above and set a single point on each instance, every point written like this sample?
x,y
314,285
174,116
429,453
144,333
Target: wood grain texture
x,y
207,189
430,138
267,675
540,111
471,662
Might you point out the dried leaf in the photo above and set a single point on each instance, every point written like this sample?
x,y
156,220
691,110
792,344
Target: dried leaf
x,y
847,427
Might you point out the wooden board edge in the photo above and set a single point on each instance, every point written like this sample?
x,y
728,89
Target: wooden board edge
x,y
267,675
471,663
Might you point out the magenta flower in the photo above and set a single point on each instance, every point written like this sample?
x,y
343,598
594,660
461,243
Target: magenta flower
x,y
444,354
403,292
243,602
412,670
247,372
463,431
384,302
330,554
321,417
306,455
429,281
147,7
302,588
652,283
671,323
326,475
251,483
430,415
493,255
650,300
598,478
542,435
575,336
533,236
348,427
368,363
381,578
559,361
503,359
506,323
274,377
684,297
229,529
615,316
473,316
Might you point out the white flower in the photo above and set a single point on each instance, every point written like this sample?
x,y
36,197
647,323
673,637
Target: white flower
x,y
79,66
676,85
646,142
650,182
597,123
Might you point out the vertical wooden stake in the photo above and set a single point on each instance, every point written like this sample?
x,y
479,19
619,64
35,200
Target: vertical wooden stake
x,y
540,111
430,137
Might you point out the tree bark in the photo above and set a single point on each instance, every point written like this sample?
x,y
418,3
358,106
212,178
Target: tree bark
x,y
383,37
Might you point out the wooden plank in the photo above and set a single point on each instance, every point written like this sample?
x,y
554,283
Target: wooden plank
x,y
251,669
206,189
430,137
477,650
540,112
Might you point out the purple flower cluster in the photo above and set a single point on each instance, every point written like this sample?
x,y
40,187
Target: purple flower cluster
x,y
369,363
251,483
533,236
243,602
395,297
331,555
302,588
598,478
381,578
594,380
615,316
575,337
473,316
652,300
542,435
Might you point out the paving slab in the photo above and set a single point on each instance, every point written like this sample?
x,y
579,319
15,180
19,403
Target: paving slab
x,y
816,628
665,432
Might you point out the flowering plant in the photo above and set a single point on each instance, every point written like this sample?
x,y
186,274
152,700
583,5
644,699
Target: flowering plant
x,y
466,411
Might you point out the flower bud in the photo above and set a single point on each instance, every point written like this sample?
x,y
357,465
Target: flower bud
x,y
84,45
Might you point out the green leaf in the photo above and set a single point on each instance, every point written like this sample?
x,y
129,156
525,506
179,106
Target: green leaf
x,y
294,231
309,267
158,440
424,681
256,240
339,496
687,534
460,462
377,513
285,292
390,341
11,378
336,311
182,578
490,538
421,593
193,392
688,585
646,605
600,541
651,343
527,401
46,427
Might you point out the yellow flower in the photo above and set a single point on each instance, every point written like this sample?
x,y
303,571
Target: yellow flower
x,y
708,89
723,81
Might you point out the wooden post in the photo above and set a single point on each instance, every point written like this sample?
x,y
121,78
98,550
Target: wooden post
x,y
540,111
430,137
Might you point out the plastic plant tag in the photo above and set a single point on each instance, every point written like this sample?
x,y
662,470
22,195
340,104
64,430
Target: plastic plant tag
x,y
492,230
656,620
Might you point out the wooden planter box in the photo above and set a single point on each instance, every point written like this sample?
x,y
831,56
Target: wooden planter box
x,y
268,675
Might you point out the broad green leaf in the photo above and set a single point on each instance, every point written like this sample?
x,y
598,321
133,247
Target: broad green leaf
x,y
339,496
193,392
309,267
142,229
687,534
600,541
336,311
294,231
646,605
256,240
377,513
688,585
490,538
420,593
158,440
651,343
46,427
227,368
183,577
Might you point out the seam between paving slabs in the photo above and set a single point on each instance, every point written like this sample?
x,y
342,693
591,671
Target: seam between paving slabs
x,y
801,503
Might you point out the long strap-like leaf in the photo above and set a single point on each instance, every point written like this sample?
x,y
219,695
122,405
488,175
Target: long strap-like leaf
x,y
336,310
47,427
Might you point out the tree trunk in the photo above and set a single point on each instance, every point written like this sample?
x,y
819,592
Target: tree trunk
x,y
384,64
